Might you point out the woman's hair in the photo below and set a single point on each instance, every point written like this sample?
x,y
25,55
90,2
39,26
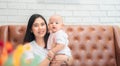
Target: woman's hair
x,y
29,36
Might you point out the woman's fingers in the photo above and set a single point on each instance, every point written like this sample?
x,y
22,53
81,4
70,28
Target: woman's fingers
x,y
61,57
56,63
59,60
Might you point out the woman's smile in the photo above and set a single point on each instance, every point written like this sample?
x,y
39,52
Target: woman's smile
x,y
41,32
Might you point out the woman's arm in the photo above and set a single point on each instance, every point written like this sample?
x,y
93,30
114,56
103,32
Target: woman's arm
x,y
45,62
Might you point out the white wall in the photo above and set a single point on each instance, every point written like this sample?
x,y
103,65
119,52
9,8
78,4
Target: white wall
x,y
73,11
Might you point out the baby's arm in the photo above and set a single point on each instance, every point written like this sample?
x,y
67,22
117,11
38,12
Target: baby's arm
x,y
56,49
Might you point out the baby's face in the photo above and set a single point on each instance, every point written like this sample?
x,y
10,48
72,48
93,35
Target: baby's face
x,y
55,24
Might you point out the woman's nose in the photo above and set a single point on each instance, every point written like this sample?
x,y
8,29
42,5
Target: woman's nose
x,y
40,27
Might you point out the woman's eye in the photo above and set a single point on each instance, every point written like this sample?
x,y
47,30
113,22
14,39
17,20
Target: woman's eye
x,y
35,25
43,24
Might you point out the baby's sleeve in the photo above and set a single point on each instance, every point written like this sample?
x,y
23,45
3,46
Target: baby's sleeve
x,y
61,38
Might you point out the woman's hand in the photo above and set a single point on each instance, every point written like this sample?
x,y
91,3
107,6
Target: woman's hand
x,y
61,57
59,60
51,54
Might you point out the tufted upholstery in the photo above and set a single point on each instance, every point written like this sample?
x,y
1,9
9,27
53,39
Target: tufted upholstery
x,y
91,45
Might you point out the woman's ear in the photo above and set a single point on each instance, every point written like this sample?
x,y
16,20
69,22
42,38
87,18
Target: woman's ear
x,y
31,31
63,26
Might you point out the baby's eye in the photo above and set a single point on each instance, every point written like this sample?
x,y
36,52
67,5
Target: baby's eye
x,y
56,22
51,22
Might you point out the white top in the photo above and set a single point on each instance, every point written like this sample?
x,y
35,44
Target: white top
x,y
36,52
59,37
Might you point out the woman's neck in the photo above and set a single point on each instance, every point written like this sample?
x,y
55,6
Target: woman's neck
x,y
40,41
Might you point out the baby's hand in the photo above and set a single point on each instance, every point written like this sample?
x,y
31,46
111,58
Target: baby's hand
x,y
51,54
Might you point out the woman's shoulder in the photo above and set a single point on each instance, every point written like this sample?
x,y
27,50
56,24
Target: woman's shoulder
x,y
27,47
26,44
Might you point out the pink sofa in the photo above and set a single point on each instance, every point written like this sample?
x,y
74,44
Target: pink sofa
x,y
91,45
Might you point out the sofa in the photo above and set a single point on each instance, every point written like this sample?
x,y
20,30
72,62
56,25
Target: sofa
x,y
91,45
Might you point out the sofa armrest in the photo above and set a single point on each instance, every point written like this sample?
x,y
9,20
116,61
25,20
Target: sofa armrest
x,y
4,33
117,43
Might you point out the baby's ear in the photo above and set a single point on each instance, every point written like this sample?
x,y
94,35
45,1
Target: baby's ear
x,y
63,25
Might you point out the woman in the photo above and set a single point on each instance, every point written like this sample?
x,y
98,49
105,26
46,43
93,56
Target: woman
x,y
36,42
36,38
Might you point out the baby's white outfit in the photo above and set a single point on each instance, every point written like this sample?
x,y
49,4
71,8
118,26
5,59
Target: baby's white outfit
x,y
59,37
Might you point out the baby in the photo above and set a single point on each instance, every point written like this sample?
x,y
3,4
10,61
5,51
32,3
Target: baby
x,y
58,39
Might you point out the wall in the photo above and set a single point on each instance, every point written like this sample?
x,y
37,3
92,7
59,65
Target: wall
x,y
73,11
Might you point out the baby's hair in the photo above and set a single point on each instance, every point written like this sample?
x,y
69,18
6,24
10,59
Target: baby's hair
x,y
57,17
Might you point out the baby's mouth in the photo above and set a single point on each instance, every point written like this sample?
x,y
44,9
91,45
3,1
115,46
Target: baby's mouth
x,y
53,27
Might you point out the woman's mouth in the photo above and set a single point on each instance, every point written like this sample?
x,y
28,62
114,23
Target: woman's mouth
x,y
41,32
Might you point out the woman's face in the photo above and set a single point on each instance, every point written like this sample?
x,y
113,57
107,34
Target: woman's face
x,y
39,28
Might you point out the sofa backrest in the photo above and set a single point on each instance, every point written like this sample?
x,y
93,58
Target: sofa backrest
x,y
91,45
